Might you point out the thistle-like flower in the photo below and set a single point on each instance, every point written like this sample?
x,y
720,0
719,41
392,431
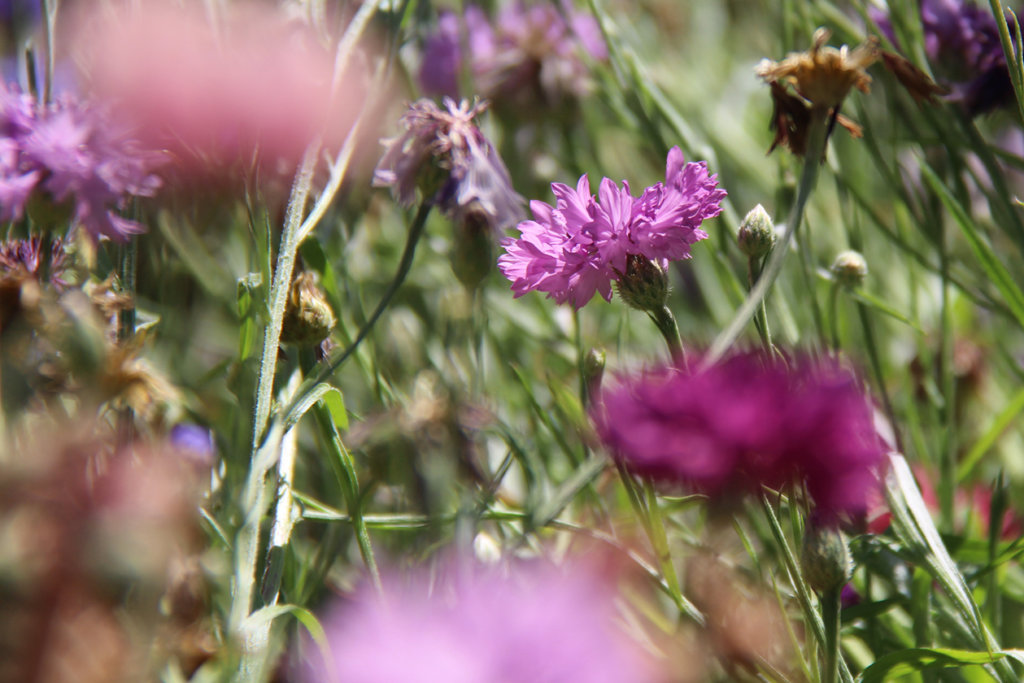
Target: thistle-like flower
x,y
76,153
444,155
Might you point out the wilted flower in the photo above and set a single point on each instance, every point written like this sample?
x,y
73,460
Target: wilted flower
x,y
822,77
582,244
745,422
962,42
537,625
20,259
75,153
529,56
447,157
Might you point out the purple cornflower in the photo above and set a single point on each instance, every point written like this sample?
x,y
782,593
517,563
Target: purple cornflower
x,y
530,55
745,422
447,157
962,41
582,244
537,625
74,153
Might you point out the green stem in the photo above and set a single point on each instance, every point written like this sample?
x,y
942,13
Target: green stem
x,y
833,315
876,370
1012,59
666,323
126,271
803,592
659,539
327,368
761,317
49,10
279,290
816,137
830,604
254,503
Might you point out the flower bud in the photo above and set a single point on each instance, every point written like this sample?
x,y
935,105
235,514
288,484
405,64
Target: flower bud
x,y
472,255
593,370
824,558
850,269
644,285
308,318
757,233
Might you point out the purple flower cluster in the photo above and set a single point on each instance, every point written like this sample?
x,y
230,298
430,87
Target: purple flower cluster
x,y
535,626
746,422
530,55
73,153
962,41
582,244
447,157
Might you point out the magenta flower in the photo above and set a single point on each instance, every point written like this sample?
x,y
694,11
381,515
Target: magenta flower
x,y
581,245
528,56
746,422
538,625
74,153
447,157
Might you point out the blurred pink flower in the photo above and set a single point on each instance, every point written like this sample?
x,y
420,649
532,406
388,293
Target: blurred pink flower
x,y
745,422
213,94
536,625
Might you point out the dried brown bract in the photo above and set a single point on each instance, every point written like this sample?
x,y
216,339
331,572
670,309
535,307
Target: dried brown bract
x,y
919,84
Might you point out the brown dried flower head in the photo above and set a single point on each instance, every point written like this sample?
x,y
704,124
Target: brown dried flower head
x,y
824,75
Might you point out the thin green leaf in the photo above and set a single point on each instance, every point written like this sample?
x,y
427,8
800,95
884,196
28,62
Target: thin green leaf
x,y
895,665
1001,423
993,267
335,404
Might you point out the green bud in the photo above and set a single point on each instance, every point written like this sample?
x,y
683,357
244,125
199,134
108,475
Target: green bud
x,y
308,318
824,558
757,233
593,370
644,285
472,255
850,269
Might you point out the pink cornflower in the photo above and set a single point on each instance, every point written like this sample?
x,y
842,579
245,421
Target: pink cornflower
x,y
536,625
748,422
581,245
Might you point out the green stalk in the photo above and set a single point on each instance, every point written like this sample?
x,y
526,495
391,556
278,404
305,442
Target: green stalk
x,y
126,271
49,10
818,627
761,317
830,606
254,502
666,324
816,139
876,369
327,368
